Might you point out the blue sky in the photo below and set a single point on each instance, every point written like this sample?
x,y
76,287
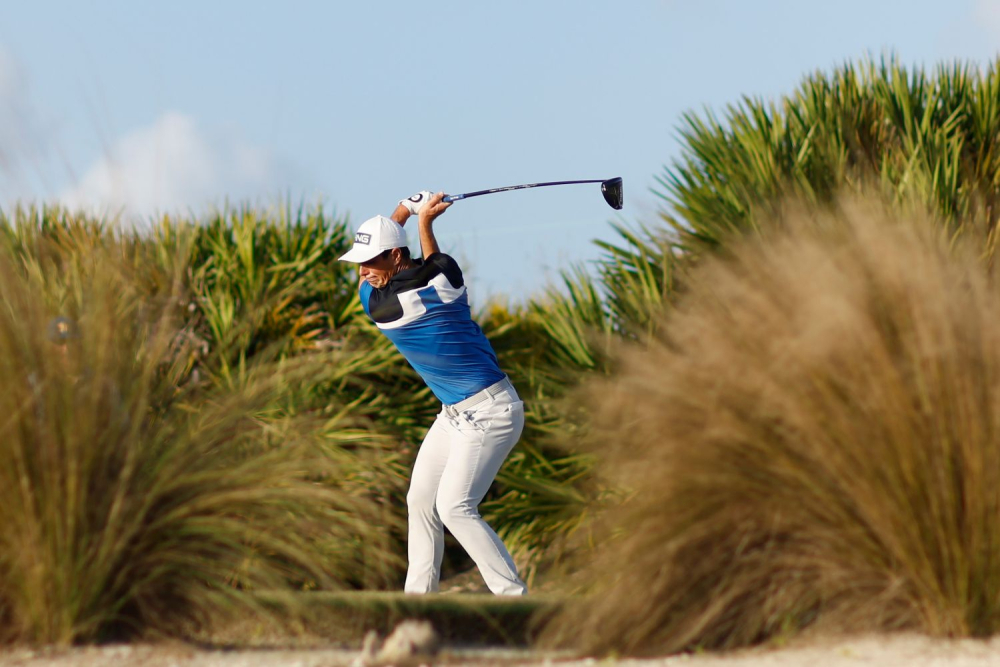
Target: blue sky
x,y
173,106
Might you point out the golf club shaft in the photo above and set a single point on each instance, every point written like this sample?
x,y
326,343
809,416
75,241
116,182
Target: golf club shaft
x,y
451,198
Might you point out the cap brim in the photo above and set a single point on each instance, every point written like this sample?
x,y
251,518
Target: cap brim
x,y
360,253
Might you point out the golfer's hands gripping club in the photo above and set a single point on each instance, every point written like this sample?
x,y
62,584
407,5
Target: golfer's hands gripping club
x,y
411,206
432,208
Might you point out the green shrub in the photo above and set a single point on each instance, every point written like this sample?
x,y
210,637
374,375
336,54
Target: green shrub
x,y
932,137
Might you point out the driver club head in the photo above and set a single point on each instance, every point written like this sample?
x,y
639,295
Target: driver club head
x,y
612,191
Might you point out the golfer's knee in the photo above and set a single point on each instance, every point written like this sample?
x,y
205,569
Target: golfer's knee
x,y
420,500
453,510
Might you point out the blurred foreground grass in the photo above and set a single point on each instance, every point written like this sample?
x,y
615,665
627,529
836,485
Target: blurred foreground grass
x,y
811,441
135,496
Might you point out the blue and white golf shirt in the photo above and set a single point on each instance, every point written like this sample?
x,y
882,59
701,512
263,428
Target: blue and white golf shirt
x,y
425,312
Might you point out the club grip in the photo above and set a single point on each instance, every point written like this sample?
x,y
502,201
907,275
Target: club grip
x,y
450,198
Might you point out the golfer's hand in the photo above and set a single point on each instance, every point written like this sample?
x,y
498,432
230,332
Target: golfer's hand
x,y
432,209
416,202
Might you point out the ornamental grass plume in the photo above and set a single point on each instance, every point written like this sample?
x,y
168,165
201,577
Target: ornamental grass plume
x,y
133,499
811,441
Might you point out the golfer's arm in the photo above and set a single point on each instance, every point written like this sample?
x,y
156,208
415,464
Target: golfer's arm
x,y
428,244
400,215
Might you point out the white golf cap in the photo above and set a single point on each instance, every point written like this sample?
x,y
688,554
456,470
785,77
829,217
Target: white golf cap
x,y
374,236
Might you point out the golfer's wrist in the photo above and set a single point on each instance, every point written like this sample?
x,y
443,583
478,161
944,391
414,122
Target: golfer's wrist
x,y
400,215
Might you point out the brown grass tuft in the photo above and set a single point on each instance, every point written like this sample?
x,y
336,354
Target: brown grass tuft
x,y
135,502
812,441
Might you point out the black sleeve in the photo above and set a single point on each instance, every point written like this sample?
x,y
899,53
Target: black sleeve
x,y
447,265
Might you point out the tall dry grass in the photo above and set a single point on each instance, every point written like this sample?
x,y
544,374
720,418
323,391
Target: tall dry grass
x,y
813,440
135,499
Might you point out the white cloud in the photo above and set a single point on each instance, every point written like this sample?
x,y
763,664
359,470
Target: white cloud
x,y
175,166
172,165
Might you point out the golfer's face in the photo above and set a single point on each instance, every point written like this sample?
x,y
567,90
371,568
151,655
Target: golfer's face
x,y
378,271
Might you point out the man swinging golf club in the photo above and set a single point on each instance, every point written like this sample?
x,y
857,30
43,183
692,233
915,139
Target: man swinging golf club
x,y
423,308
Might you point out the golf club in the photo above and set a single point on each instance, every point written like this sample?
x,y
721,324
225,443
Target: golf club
x,y
611,189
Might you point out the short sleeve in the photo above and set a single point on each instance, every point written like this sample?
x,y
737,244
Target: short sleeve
x,y
447,265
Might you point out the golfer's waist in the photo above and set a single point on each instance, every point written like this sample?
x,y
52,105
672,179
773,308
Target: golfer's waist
x,y
486,394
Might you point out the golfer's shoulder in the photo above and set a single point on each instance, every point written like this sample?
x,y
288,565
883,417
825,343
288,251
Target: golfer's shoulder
x,y
439,262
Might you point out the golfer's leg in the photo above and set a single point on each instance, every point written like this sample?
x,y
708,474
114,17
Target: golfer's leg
x,y
425,539
474,460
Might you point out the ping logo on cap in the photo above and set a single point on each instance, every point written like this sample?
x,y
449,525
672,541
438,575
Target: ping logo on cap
x,y
362,238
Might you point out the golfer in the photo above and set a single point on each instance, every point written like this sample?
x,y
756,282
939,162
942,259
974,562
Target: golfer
x,y
423,308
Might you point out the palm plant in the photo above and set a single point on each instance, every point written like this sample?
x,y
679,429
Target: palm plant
x,y
931,138
254,283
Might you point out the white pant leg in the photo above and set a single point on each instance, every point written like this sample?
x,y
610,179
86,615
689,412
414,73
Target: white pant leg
x,y
481,438
425,541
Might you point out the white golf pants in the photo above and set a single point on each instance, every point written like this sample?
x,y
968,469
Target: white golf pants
x,y
455,466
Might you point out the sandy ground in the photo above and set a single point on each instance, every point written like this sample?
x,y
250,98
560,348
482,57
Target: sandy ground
x,y
891,651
